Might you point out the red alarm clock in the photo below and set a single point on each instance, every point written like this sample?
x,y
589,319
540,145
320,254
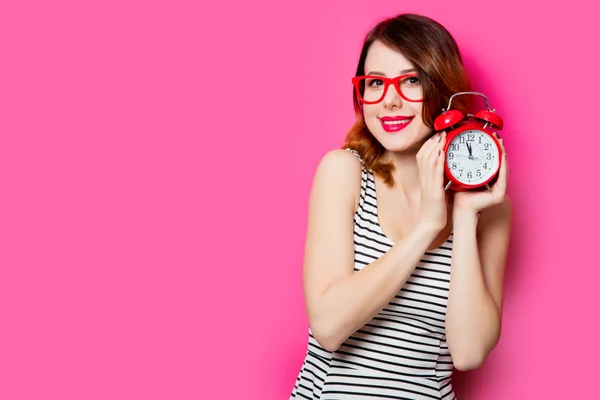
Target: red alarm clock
x,y
473,155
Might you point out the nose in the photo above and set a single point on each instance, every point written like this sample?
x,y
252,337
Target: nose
x,y
392,98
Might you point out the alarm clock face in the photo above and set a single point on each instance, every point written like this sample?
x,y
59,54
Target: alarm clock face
x,y
472,157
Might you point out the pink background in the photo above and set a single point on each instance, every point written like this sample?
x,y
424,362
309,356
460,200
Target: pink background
x,y
155,163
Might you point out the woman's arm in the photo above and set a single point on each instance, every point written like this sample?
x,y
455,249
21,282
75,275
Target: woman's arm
x,y
474,314
340,301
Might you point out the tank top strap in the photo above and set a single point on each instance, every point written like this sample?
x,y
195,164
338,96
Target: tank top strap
x,y
366,177
357,155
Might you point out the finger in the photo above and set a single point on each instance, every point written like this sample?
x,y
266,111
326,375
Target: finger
x,y
504,159
501,141
435,152
425,151
428,143
439,142
505,167
437,164
439,170
432,148
499,188
503,154
442,145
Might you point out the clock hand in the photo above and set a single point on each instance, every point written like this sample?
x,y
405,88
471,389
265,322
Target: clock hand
x,y
463,156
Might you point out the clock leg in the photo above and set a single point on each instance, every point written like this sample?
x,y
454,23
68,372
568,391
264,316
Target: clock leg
x,y
488,188
448,185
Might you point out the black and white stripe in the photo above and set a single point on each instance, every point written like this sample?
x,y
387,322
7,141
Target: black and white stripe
x,y
399,354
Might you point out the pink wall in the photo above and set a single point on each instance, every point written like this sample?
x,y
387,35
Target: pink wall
x,y
155,163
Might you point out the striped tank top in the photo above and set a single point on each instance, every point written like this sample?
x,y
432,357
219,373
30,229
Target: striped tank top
x,y
401,353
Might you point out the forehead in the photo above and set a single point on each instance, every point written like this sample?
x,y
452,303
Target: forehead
x,y
384,59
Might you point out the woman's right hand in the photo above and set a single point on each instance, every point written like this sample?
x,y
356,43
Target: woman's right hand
x,y
430,161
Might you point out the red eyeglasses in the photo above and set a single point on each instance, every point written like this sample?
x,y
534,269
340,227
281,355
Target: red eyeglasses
x,y
371,89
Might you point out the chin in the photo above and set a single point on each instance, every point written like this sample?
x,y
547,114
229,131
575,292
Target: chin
x,y
403,149
401,144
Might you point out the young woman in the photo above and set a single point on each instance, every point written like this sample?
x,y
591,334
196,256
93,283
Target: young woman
x,y
402,279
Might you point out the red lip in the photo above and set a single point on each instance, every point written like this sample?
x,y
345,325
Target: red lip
x,y
388,126
398,118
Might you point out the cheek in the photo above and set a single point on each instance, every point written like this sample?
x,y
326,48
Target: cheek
x,y
371,119
417,108
369,110
370,115
423,130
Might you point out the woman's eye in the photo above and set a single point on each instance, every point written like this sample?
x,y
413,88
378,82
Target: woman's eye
x,y
413,80
376,82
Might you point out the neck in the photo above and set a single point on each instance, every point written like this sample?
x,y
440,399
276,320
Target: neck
x,y
406,174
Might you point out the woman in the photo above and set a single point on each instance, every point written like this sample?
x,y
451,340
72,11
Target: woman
x,y
402,280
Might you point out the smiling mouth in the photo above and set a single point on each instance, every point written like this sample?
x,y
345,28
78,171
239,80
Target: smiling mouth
x,y
396,122
390,124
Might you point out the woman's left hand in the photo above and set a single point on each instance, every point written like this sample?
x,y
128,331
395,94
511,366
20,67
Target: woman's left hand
x,y
479,200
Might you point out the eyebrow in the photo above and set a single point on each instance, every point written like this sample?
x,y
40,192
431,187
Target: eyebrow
x,y
404,71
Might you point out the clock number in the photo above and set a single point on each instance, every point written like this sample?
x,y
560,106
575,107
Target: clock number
x,y
479,139
454,147
487,146
471,137
479,173
461,140
469,174
460,171
485,166
489,156
453,165
451,156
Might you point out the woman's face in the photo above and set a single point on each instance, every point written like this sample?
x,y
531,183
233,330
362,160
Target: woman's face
x,y
395,122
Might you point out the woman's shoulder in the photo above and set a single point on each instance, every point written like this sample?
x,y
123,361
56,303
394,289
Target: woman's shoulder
x,y
340,164
343,154
339,174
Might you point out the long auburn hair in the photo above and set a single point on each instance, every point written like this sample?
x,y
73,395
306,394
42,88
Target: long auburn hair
x,y
435,56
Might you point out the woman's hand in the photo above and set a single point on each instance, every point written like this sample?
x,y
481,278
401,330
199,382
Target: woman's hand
x,y
430,161
477,201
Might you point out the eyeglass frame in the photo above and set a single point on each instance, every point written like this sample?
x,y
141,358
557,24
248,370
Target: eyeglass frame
x,y
386,82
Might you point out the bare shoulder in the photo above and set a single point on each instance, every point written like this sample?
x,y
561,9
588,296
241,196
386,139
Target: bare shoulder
x,y
339,164
338,175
